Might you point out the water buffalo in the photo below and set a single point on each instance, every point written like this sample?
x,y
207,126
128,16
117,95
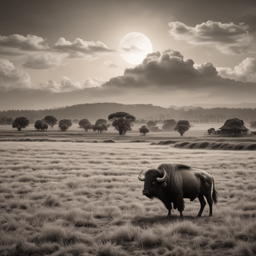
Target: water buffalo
x,y
172,182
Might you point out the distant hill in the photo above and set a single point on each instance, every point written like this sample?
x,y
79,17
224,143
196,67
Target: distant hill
x,y
140,111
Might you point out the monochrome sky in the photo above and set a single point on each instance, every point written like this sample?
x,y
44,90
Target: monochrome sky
x,y
61,53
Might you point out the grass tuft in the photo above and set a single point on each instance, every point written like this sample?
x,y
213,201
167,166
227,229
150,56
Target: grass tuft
x,y
147,238
51,201
109,249
186,228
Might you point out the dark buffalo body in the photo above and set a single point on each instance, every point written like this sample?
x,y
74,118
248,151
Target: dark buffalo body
x,y
173,182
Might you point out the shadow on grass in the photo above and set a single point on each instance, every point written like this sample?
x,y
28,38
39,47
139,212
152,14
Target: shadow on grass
x,y
164,219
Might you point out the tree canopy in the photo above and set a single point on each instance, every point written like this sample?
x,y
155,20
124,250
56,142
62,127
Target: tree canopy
x,y
87,127
65,121
64,127
169,125
101,121
182,126
144,129
83,122
51,120
122,121
100,127
20,122
41,125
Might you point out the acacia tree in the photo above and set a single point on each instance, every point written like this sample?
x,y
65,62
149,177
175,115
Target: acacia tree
x,y
182,126
20,122
51,120
122,121
144,130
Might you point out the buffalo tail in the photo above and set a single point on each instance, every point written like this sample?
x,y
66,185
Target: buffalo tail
x,y
214,193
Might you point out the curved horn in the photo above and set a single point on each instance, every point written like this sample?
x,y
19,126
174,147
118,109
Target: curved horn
x,y
140,178
164,178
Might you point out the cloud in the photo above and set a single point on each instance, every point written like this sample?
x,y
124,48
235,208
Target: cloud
x,y
164,70
80,48
110,64
69,85
168,76
42,61
15,44
244,71
93,82
132,48
11,78
229,38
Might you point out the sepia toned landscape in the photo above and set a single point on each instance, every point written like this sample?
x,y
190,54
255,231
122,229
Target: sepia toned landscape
x,y
127,128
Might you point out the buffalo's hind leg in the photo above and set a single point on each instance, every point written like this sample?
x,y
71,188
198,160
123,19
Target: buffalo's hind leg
x,y
203,203
209,200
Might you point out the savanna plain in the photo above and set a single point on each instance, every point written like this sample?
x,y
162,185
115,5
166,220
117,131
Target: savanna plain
x,y
70,197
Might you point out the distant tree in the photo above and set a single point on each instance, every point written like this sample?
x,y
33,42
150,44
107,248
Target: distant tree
x,y
150,124
20,122
143,130
83,122
87,127
211,130
169,125
101,121
122,121
51,120
64,127
99,127
65,121
253,124
182,126
41,125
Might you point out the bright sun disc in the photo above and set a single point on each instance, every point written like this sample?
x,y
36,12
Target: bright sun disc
x,y
134,47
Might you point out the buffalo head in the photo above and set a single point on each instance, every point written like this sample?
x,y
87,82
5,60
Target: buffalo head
x,y
154,182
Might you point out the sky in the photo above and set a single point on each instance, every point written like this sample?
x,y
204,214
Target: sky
x,y
62,53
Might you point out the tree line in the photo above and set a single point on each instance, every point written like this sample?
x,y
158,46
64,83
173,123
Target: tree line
x,y
121,121
97,110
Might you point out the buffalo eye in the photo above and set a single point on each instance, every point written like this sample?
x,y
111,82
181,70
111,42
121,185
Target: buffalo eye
x,y
153,183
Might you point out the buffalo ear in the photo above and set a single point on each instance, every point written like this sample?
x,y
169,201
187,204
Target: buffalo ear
x,y
164,184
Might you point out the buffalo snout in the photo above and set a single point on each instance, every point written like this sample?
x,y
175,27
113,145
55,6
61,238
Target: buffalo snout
x,y
145,192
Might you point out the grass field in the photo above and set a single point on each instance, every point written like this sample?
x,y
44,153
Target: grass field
x,y
68,198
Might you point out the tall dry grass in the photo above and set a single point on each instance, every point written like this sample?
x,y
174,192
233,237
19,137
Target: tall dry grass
x,y
85,199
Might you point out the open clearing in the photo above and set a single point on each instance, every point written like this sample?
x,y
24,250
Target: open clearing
x,y
67,198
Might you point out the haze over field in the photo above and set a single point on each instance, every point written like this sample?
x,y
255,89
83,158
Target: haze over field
x,y
62,53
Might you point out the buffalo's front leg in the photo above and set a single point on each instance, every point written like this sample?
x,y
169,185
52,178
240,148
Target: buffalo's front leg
x,y
169,207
